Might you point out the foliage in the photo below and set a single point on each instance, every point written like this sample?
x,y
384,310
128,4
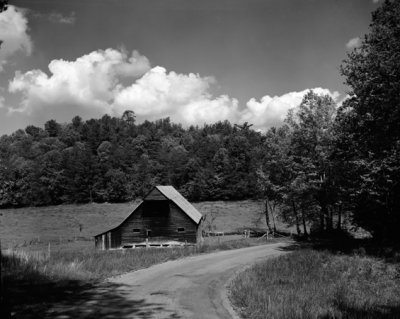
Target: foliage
x,y
368,126
114,160
295,168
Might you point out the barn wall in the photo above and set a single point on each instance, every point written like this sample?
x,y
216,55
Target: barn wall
x,y
107,240
199,234
180,219
163,219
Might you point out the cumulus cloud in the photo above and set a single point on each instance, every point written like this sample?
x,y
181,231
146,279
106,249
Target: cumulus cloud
x,y
111,81
96,83
183,97
89,82
271,111
13,34
353,43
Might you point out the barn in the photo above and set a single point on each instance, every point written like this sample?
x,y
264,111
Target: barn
x,y
162,219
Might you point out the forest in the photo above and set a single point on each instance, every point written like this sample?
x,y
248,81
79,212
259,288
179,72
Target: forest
x,y
326,162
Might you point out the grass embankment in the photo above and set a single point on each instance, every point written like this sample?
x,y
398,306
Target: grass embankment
x,y
312,284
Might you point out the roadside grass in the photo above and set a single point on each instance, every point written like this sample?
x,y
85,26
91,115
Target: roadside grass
x,y
34,280
318,284
91,264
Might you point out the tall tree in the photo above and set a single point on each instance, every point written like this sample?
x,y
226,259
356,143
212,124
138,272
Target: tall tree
x,y
369,123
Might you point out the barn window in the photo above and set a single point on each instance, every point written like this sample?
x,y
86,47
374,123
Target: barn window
x,y
181,229
136,230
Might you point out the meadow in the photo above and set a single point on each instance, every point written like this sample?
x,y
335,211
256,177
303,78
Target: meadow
x,y
72,227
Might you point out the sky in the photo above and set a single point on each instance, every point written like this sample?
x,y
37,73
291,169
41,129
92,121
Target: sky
x,y
193,61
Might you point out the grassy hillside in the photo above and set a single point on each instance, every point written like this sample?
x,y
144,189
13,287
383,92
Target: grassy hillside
x,y
73,226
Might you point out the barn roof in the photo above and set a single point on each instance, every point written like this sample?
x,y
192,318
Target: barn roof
x,y
136,206
172,194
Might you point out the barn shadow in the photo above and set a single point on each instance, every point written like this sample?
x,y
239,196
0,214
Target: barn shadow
x,y
38,296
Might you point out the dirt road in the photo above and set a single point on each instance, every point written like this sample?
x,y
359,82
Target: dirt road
x,y
192,287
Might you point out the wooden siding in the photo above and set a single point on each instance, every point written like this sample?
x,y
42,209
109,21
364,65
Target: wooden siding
x,y
110,239
162,218
155,194
164,215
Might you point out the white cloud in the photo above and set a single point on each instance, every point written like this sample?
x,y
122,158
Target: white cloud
x,y
55,17
271,111
353,43
13,33
340,101
95,84
89,82
185,98
59,18
376,1
111,81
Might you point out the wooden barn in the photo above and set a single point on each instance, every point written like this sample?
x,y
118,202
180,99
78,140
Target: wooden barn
x,y
164,218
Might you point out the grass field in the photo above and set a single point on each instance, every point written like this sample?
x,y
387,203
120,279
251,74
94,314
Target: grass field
x,y
318,284
72,227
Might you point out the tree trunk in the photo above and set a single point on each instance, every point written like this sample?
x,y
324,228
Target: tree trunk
x,y
339,222
272,210
304,222
321,221
329,218
267,215
297,218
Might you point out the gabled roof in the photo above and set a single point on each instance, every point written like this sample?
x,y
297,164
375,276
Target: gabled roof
x,y
173,195
136,206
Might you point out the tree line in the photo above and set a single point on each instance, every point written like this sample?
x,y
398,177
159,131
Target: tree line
x,y
325,164
114,159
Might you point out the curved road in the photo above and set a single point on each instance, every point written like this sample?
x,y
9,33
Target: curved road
x,y
192,287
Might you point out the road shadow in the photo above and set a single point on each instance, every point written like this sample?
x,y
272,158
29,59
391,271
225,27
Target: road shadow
x,y
344,243
33,295
341,242
379,312
293,246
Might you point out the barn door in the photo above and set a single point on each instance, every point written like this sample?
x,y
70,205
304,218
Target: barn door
x,y
148,233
